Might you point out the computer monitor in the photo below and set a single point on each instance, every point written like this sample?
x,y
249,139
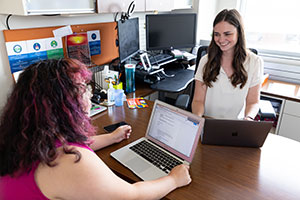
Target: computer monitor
x,y
128,34
169,31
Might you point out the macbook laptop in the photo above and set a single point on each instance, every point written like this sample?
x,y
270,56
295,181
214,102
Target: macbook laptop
x,y
96,108
171,139
241,133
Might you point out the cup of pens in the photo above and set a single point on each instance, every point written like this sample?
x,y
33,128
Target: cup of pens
x,y
130,78
117,83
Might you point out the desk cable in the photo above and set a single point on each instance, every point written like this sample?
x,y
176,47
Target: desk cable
x,y
167,75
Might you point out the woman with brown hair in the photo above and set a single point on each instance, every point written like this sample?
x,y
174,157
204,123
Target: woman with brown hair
x,y
228,78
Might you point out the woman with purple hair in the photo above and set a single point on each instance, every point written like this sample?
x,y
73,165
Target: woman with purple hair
x,y
47,141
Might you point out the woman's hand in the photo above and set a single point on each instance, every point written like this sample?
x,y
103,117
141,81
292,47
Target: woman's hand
x,y
181,175
121,133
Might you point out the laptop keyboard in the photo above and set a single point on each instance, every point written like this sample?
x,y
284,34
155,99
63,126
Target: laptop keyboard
x,y
156,156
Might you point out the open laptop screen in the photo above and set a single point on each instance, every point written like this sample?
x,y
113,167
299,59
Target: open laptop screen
x,y
176,130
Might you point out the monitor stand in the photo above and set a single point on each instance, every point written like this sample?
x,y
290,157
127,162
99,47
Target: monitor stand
x,y
151,72
145,61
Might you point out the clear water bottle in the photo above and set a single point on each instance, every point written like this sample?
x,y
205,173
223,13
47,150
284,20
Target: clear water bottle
x,y
110,93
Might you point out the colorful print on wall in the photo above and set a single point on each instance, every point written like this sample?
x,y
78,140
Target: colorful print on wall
x,y
17,55
36,50
21,54
54,48
94,42
78,47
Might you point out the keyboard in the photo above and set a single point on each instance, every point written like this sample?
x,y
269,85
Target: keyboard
x,y
159,58
154,155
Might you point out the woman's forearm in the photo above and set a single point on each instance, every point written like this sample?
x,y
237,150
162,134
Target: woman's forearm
x,y
251,110
198,108
155,189
101,141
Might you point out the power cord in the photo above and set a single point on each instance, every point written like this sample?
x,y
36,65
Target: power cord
x,y
167,75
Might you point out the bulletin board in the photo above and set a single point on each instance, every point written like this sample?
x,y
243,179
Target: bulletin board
x,y
108,36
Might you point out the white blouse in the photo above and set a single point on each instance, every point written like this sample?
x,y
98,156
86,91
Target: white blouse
x,y
223,100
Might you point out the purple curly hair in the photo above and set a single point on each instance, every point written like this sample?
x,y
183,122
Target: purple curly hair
x,y
45,108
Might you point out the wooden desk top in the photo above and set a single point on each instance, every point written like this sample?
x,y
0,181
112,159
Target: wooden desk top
x,y
141,90
218,172
281,89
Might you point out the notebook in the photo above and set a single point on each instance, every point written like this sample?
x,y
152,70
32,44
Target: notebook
x,y
241,133
96,108
171,139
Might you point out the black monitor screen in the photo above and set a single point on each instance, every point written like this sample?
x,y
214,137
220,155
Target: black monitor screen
x,y
128,33
168,31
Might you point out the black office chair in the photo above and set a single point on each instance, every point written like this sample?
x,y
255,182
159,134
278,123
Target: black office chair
x,y
184,101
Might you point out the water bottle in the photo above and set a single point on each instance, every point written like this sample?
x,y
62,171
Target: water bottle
x,y
130,78
110,93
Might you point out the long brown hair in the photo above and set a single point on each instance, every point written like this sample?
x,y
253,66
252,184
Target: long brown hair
x,y
213,65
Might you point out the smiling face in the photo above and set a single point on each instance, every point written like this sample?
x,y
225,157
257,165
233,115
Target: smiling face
x,y
225,36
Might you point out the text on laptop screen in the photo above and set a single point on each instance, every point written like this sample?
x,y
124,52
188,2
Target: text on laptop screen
x,y
174,129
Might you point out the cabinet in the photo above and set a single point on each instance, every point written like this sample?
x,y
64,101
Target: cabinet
x,y
183,4
290,121
46,7
113,6
159,5
168,5
277,104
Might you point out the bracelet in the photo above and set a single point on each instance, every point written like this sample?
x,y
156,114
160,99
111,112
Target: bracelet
x,y
249,117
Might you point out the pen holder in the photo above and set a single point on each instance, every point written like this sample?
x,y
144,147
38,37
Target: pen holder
x,y
118,86
130,78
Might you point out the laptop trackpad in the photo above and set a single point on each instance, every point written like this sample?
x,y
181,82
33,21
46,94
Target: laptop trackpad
x,y
138,165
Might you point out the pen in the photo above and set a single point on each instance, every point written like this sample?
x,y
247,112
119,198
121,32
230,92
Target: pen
x,y
119,77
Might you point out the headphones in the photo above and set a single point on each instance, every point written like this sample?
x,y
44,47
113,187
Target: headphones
x,y
125,16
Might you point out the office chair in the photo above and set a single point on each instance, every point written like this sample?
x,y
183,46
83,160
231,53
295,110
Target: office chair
x,y
184,101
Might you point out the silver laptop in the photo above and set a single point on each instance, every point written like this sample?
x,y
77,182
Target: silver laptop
x,y
96,108
241,133
171,139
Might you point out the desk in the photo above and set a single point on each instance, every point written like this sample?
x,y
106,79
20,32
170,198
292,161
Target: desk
x,y
288,91
272,172
141,90
182,78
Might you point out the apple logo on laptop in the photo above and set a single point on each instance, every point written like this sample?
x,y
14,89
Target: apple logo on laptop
x,y
235,133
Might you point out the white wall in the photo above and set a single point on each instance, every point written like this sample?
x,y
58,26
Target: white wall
x,y
6,80
206,15
207,11
222,4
